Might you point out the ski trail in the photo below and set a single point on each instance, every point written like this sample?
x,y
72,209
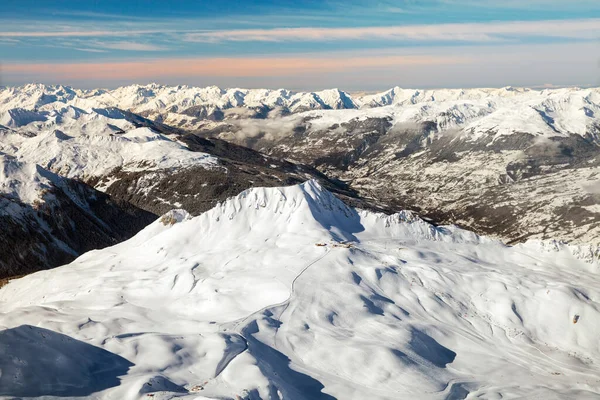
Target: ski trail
x,y
240,324
286,303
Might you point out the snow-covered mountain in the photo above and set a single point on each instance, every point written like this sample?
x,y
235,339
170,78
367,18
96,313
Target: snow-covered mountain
x,y
171,102
548,112
139,163
512,163
76,134
98,146
48,220
287,293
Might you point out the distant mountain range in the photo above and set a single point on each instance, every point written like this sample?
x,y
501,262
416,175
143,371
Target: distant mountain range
x,y
513,163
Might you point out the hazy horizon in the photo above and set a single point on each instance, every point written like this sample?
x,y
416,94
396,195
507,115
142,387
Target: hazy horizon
x,y
356,92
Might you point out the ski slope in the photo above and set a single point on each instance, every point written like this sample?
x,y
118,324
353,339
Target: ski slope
x,y
288,293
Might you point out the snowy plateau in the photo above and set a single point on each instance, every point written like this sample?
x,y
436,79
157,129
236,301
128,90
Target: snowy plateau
x,y
207,243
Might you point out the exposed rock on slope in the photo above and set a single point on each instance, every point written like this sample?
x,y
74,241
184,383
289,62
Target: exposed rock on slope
x,y
48,220
515,164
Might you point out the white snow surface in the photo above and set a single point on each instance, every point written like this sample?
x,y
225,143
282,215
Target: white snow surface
x,y
24,182
288,293
94,155
84,144
154,97
549,112
63,130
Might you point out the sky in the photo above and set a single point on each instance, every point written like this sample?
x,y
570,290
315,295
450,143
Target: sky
x,y
303,44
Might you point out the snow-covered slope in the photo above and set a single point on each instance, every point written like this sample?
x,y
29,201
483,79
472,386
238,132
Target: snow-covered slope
x,y
515,163
143,165
48,220
90,143
96,155
503,111
287,293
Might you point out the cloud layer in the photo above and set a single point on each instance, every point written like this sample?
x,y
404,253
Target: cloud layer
x,y
423,67
476,32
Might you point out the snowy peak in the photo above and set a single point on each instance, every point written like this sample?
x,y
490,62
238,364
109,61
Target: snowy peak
x,y
155,98
18,117
479,111
22,182
96,154
309,198
400,96
32,96
307,209
86,143
66,117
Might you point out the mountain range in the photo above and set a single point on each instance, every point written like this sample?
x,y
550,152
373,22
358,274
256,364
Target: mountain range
x,y
207,243
453,155
513,163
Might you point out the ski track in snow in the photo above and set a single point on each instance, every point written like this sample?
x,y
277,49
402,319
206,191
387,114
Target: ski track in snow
x,y
243,322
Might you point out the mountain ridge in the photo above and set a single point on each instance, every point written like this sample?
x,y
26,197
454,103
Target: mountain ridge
x,y
513,163
548,112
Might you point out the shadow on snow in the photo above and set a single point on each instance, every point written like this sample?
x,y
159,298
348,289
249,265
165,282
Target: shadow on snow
x,y
39,362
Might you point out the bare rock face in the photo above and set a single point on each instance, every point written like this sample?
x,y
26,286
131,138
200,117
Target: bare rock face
x,y
198,189
68,218
515,181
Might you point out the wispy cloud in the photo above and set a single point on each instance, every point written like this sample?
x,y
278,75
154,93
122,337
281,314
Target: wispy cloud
x,y
95,15
475,32
395,10
130,46
8,40
89,50
423,66
523,5
458,32
81,33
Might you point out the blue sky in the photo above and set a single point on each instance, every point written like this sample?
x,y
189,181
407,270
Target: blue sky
x,y
354,45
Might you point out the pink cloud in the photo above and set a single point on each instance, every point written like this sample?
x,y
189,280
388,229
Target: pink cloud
x,y
221,67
